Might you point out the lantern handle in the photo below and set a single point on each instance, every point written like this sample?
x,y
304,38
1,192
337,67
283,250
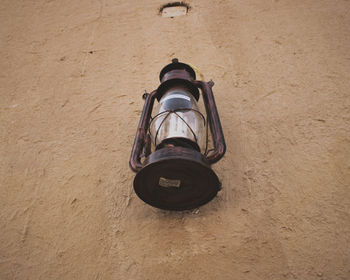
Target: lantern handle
x,y
141,140
214,121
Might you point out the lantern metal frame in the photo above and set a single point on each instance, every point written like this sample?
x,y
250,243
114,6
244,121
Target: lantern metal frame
x,y
171,158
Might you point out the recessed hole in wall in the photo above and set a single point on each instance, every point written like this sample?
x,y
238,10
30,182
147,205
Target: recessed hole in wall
x,y
174,9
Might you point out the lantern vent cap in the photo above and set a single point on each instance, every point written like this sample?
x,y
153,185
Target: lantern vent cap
x,y
176,65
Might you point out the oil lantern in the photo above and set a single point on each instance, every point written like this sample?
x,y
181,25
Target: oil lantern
x,y
170,154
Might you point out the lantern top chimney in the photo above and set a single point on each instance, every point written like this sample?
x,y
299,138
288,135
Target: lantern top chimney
x,y
177,73
176,65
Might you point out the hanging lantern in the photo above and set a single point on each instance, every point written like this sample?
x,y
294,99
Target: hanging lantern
x,y
170,152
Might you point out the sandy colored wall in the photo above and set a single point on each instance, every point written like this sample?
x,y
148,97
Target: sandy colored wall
x,y
72,76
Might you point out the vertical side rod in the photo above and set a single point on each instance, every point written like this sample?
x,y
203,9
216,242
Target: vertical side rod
x,y
214,121
141,133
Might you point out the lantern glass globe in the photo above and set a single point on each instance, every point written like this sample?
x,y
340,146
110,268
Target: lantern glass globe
x,y
177,121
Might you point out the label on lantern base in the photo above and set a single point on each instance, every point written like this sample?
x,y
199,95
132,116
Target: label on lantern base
x,y
169,183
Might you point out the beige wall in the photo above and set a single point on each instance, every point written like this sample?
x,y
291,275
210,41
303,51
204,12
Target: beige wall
x,y
68,118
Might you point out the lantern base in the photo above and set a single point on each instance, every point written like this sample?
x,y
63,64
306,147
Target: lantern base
x,y
176,178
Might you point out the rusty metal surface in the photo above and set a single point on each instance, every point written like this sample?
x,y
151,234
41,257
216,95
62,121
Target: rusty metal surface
x,y
176,65
177,77
213,120
177,74
141,134
176,178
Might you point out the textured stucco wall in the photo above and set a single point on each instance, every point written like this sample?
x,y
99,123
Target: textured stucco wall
x,y
72,76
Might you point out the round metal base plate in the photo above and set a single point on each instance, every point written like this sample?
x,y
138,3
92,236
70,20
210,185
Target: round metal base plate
x,y
176,178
